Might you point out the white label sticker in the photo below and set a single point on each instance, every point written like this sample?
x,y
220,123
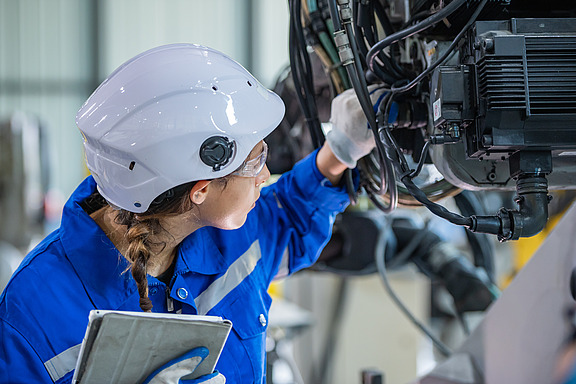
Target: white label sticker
x,y
436,107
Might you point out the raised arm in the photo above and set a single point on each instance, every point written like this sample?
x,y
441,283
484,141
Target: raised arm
x,y
329,165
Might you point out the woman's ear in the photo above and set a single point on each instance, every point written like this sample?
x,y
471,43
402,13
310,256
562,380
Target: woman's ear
x,y
199,191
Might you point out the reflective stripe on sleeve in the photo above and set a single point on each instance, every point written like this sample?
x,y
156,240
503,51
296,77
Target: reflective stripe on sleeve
x,y
62,363
284,268
235,274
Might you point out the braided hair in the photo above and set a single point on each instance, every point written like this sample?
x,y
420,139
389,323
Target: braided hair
x,y
142,230
139,236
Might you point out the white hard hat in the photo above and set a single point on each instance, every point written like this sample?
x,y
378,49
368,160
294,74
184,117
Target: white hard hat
x,y
174,114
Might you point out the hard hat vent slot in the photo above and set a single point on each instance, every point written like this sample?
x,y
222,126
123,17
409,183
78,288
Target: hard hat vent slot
x,y
215,88
249,83
131,166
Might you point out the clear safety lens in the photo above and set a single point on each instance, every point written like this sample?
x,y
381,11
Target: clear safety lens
x,y
251,168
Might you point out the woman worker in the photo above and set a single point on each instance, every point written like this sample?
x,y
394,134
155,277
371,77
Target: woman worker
x,y
174,140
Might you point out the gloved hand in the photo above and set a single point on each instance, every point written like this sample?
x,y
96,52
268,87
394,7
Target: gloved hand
x,y
173,371
350,138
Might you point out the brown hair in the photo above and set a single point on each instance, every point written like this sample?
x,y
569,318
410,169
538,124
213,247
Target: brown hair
x,y
143,228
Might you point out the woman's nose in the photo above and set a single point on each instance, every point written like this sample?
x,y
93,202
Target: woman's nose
x,y
263,176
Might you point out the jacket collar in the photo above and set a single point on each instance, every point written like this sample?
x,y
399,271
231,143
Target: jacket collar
x,y
101,267
200,253
97,262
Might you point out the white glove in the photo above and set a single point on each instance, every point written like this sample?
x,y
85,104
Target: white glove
x,y
173,371
350,138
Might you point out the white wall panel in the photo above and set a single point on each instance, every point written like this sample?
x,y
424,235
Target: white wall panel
x,y
132,26
270,39
9,38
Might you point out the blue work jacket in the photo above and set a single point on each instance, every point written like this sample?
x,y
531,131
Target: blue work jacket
x,y
44,308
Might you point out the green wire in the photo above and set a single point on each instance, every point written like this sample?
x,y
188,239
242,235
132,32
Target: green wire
x,y
333,54
341,71
312,5
328,45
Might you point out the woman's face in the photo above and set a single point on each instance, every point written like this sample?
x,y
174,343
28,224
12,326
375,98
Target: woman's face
x,y
227,203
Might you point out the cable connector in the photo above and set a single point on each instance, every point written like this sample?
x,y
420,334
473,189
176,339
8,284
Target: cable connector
x,y
343,44
443,139
345,10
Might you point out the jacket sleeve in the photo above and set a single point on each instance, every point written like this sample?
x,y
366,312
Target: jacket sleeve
x,y
19,363
296,215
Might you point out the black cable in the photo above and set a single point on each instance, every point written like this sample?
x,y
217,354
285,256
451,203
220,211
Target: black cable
x,y
302,74
356,75
402,167
397,151
333,7
436,209
416,28
383,18
421,160
358,67
384,76
469,204
368,37
360,41
298,43
407,251
394,152
363,16
393,69
416,17
296,13
354,68
404,171
298,49
381,265
389,177
445,55
294,64
350,188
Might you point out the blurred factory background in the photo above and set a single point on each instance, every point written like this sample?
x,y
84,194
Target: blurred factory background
x,y
326,327
54,53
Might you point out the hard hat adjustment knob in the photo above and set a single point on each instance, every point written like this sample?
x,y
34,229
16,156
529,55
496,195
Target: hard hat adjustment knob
x,y
216,151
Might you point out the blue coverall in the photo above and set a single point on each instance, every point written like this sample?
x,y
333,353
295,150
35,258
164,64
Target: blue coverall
x,y
44,309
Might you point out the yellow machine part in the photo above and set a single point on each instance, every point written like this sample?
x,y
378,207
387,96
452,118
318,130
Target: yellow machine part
x,y
524,248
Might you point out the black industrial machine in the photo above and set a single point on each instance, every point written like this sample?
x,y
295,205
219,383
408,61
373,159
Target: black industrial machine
x,y
485,90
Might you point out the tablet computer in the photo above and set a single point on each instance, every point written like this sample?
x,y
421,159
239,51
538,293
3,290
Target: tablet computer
x,y
125,347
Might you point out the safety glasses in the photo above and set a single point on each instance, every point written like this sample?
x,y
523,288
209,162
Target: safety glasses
x,y
253,167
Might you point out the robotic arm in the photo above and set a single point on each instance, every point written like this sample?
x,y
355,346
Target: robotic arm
x,y
485,91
